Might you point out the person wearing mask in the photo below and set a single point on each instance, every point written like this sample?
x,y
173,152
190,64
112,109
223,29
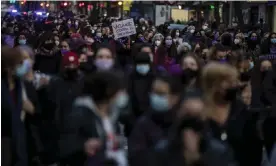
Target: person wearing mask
x,y
48,53
191,69
177,38
239,42
20,40
159,50
89,41
261,80
76,41
104,59
154,124
14,100
91,128
189,34
182,50
189,144
197,39
269,45
140,81
32,121
253,44
217,53
148,49
226,113
171,52
64,47
54,98
98,38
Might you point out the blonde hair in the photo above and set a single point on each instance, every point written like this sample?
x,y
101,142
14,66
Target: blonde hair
x,y
213,74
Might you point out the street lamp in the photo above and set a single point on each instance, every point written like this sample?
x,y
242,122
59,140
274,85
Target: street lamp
x,y
179,7
120,3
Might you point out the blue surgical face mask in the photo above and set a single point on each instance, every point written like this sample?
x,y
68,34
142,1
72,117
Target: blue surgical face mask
x,y
122,100
251,65
143,68
168,42
273,40
24,68
64,51
22,41
159,103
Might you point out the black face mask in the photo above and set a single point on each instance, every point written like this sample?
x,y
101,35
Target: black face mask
x,y
86,67
231,94
245,76
49,46
264,73
71,73
188,74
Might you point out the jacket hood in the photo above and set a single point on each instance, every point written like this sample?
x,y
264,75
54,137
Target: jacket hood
x,y
88,102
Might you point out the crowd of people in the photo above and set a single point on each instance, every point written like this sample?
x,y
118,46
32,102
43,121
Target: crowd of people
x,y
74,95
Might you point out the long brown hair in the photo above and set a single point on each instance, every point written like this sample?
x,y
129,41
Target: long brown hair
x,y
213,74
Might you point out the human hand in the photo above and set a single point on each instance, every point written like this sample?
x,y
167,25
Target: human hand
x,y
91,146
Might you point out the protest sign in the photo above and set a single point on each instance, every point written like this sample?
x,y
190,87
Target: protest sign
x,y
123,28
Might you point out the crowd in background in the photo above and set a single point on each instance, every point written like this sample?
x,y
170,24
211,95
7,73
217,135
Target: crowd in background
x,y
74,95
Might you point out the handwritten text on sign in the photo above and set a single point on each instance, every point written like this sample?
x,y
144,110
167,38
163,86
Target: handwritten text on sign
x,y
123,28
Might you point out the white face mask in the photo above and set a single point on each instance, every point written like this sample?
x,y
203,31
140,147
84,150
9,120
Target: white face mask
x,y
143,28
204,27
157,42
57,43
99,34
192,31
237,41
177,34
55,21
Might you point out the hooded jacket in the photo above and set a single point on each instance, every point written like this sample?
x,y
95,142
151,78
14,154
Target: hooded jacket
x,y
82,124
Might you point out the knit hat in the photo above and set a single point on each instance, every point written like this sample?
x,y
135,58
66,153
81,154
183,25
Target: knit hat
x,y
70,58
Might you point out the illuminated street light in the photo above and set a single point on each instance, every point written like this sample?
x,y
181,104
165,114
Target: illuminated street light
x,y
41,4
47,5
120,3
179,7
65,4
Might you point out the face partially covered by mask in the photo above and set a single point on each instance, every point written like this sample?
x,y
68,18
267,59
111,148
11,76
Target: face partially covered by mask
x,y
158,42
168,42
71,73
121,100
143,69
24,68
104,59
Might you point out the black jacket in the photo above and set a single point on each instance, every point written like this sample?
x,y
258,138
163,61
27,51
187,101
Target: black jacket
x,y
242,134
215,153
56,102
82,124
11,125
